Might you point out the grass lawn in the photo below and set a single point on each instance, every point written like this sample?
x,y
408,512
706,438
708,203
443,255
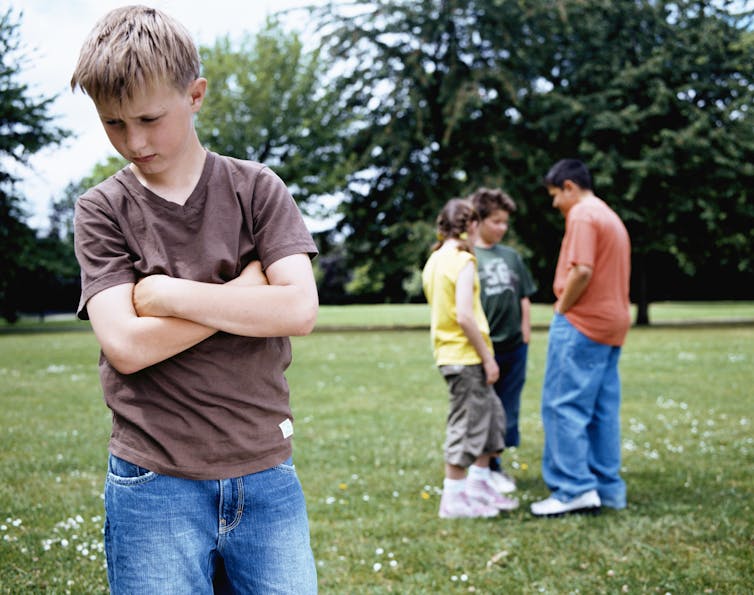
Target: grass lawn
x,y
417,315
370,416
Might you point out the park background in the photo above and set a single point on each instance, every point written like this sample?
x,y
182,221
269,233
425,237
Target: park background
x,y
375,113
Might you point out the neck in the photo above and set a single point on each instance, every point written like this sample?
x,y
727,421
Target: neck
x,y
577,199
176,184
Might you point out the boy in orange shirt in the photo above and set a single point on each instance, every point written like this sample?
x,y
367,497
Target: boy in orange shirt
x,y
581,391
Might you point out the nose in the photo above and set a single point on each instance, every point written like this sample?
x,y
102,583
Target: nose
x,y
135,139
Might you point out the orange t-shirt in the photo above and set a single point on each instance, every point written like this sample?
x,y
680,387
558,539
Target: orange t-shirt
x,y
596,237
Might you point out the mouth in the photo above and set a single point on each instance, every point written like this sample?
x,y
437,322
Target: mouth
x,y
142,160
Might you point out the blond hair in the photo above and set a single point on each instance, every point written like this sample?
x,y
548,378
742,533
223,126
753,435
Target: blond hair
x,y
131,48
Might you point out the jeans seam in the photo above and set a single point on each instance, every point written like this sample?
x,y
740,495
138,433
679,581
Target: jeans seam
x,y
227,528
239,508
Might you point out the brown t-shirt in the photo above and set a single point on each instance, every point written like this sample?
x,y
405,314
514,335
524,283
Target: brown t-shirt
x,y
221,408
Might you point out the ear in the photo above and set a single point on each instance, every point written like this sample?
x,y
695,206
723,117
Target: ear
x,y
197,90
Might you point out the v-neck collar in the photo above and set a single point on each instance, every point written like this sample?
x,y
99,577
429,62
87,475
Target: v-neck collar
x,y
195,199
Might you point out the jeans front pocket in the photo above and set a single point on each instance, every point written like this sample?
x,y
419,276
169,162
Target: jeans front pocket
x,y
124,473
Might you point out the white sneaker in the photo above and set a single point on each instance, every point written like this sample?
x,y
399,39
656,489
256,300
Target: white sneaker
x,y
459,506
502,482
588,503
482,491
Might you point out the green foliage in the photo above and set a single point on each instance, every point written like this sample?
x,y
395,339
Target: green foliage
x,y
370,413
415,79
655,96
365,279
26,126
62,209
25,121
268,101
412,285
407,103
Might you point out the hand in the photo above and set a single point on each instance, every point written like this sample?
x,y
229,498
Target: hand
x,y
491,370
150,295
250,276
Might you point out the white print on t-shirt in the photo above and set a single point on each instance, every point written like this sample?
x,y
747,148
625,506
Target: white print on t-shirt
x,y
287,428
497,277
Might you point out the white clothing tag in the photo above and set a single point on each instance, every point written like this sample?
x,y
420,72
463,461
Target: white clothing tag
x,y
287,428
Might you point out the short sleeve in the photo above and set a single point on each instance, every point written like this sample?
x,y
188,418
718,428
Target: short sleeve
x,y
527,287
277,226
582,242
101,249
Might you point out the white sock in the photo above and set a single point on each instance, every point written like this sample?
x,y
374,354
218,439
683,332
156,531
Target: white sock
x,y
454,486
479,473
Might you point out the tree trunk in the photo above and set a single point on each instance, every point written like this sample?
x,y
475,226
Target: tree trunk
x,y
642,303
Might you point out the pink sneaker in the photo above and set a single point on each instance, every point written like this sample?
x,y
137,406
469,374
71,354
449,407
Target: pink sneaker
x,y
502,482
481,491
460,506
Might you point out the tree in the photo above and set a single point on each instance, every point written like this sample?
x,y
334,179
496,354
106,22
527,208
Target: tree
x,y
267,101
418,77
452,94
656,97
54,274
62,209
26,126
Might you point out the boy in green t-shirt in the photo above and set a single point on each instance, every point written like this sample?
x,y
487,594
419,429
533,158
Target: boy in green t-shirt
x,y
506,288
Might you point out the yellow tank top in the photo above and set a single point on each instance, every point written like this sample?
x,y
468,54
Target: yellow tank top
x,y
449,343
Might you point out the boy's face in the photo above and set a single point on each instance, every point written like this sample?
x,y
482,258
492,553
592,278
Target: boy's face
x,y
154,128
493,227
564,198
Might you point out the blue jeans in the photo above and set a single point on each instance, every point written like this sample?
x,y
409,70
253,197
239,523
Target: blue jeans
x,y
508,388
581,416
169,535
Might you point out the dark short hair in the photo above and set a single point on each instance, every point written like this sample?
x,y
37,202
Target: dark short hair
x,y
569,169
488,200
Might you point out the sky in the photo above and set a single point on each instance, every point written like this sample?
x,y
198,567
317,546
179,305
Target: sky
x,y
51,34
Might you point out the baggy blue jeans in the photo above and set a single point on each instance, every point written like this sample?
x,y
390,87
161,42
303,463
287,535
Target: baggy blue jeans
x,y
169,535
581,416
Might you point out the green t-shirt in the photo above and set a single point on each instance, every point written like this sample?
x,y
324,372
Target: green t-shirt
x,y
505,281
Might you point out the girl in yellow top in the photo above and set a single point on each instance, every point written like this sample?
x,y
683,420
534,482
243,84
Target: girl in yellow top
x,y
463,353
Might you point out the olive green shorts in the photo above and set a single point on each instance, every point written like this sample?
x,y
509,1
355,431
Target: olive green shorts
x,y
476,420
